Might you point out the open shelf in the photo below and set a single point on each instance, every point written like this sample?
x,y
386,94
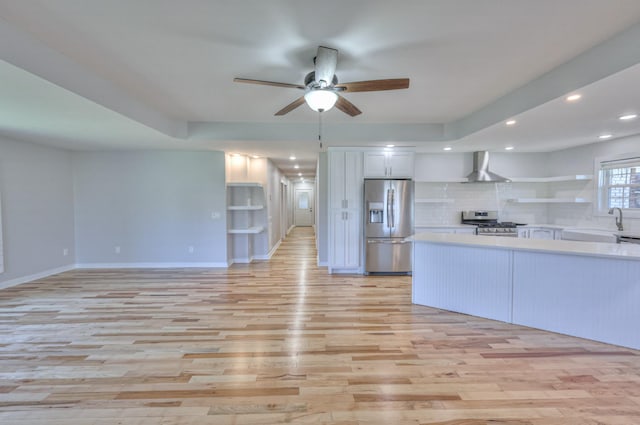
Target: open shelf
x,y
247,237
249,231
573,177
550,201
245,207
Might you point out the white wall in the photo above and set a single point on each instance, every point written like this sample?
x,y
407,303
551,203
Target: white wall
x,y
154,205
37,210
434,168
581,160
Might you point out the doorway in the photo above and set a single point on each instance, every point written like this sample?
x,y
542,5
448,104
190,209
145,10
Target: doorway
x,y
303,209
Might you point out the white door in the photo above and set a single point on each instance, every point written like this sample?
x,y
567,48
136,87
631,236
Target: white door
x,y
303,213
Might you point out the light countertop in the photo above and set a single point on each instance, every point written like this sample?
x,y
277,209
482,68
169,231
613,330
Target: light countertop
x,y
595,249
444,226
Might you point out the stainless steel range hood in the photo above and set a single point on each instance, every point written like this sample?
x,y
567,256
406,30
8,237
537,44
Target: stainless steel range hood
x,y
481,173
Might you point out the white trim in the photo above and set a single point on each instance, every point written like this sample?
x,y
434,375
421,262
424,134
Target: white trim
x,y
240,260
35,276
291,228
323,263
270,254
598,209
150,265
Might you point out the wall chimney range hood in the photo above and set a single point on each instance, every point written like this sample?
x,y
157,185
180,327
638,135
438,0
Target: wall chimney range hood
x,y
481,173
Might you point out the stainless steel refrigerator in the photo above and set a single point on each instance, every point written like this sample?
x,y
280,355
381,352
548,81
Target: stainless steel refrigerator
x,y
388,220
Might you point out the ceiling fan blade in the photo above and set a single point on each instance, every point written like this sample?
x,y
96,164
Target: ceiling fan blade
x,y
290,107
347,107
268,83
326,61
375,85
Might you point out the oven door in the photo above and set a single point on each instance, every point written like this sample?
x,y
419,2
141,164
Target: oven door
x,y
499,234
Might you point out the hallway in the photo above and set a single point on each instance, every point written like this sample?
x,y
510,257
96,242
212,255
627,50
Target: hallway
x,y
281,341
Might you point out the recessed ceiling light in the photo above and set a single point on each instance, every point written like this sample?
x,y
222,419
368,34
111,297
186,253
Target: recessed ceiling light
x,y
301,179
511,122
605,136
299,174
628,117
292,158
391,146
236,154
448,148
508,148
255,156
296,166
573,97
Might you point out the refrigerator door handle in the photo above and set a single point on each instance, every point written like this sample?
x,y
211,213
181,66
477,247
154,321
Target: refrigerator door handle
x,y
389,206
387,241
393,215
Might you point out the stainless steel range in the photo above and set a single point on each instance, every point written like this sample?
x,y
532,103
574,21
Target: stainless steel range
x,y
488,225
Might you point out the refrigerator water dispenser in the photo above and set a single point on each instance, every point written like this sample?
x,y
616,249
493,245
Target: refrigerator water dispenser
x,y
375,212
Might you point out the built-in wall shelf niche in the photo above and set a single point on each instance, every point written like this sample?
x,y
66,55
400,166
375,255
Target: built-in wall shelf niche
x,y
246,221
573,177
434,201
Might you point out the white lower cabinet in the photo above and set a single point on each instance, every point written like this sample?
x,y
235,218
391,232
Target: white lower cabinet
x,y
540,233
345,241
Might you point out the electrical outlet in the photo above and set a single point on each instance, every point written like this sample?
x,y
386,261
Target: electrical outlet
x,y
65,252
215,215
191,249
117,249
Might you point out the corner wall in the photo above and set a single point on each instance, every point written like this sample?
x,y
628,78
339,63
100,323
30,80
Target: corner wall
x,y
37,211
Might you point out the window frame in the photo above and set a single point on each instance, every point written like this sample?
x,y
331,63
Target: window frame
x,y
601,189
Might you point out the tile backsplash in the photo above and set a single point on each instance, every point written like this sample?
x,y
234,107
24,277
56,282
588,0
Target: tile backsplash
x,y
441,203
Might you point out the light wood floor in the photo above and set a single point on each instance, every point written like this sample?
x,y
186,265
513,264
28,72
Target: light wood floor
x,y
283,342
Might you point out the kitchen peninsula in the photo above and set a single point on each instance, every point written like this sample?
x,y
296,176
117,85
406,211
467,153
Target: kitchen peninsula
x,y
584,289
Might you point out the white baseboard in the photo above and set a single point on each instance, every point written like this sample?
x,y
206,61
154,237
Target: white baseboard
x,y
149,265
323,264
290,228
270,254
240,260
35,276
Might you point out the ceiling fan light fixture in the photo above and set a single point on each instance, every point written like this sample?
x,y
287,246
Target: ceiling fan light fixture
x,y
320,99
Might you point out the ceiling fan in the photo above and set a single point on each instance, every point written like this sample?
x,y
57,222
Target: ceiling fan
x,y
322,90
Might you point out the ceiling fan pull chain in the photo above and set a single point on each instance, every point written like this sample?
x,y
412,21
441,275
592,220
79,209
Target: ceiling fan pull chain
x,y
320,127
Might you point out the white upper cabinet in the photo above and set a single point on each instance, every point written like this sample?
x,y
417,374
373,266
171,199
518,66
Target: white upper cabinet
x,y
345,180
388,164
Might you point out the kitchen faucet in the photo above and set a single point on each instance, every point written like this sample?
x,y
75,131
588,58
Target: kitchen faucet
x,y
618,219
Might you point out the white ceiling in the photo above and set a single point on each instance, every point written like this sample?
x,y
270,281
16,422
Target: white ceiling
x,y
140,74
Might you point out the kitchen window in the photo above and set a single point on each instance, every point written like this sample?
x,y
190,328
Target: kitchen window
x,y
619,184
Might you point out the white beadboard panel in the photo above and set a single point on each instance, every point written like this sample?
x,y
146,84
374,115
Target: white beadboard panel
x,y
463,279
587,297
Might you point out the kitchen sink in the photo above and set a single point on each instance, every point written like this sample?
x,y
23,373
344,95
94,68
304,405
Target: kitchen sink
x,y
599,235
629,239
